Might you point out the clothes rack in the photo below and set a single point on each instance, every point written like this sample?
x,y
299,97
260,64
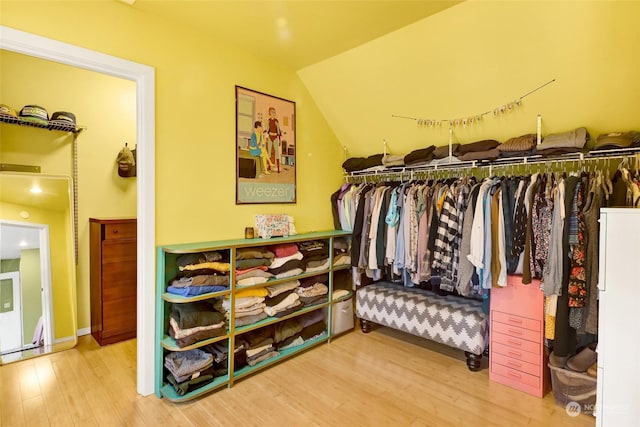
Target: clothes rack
x,y
482,168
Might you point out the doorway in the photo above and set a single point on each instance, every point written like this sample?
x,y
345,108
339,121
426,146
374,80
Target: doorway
x,y
144,76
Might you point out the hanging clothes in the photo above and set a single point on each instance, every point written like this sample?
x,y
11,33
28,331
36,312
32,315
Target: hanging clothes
x,y
464,237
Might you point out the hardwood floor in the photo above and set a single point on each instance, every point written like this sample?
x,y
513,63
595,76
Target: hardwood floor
x,y
384,378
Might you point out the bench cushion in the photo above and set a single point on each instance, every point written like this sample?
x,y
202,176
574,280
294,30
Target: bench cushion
x,y
452,320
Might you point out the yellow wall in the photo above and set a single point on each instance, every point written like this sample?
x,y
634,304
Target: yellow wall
x,y
106,106
195,120
195,116
481,54
61,262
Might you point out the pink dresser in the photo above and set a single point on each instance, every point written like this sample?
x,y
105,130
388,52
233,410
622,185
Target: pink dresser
x,y
517,356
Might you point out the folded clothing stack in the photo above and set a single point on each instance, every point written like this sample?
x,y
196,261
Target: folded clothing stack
x,y
283,304
280,288
220,353
313,325
290,268
288,261
294,332
313,290
520,146
354,164
479,150
195,321
248,306
419,157
286,333
200,273
189,370
316,255
341,252
391,160
563,143
259,344
253,257
615,140
252,276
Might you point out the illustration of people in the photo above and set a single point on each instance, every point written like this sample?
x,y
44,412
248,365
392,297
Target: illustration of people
x,y
257,147
274,135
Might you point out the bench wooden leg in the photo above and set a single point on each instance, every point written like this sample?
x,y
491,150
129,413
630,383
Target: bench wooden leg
x,y
365,326
473,361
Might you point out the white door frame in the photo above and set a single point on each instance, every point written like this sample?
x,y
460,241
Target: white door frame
x,y
45,275
144,76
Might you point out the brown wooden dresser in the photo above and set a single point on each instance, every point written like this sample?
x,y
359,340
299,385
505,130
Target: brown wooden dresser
x,y
113,279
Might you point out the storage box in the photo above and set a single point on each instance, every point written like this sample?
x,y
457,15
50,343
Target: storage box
x,y
569,386
342,316
270,225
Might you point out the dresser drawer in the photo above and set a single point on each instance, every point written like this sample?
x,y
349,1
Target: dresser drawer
x,y
510,362
119,316
119,281
516,331
514,375
121,230
117,251
517,343
514,320
514,353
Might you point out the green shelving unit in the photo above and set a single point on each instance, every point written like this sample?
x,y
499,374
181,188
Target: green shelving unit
x,y
166,269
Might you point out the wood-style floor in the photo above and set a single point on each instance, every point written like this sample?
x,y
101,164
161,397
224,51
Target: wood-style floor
x,y
384,378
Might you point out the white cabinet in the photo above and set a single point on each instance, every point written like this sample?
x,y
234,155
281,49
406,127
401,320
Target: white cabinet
x,y
618,389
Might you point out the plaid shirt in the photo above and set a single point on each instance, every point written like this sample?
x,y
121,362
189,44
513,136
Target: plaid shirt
x,y
446,255
446,231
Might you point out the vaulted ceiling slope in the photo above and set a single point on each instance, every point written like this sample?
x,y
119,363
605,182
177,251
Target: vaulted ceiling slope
x,y
295,33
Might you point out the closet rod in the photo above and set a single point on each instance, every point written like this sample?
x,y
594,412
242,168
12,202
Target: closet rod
x,y
409,172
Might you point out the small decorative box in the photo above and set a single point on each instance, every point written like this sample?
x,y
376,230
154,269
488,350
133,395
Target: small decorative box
x,y
270,225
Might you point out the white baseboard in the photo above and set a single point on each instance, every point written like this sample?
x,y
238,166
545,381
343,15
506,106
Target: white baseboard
x,y
80,332
64,339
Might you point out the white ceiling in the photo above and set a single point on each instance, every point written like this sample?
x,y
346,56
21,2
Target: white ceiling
x,y
295,33
14,238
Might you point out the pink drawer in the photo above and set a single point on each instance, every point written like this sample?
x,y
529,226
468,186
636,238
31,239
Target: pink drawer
x,y
522,300
516,280
516,331
529,368
516,343
514,353
514,320
514,376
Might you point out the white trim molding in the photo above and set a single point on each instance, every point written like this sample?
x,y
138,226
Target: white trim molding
x,y
83,331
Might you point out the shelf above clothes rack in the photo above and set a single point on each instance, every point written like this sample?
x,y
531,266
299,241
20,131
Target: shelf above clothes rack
x,y
487,167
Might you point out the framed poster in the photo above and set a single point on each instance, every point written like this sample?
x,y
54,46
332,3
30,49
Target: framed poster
x,y
265,148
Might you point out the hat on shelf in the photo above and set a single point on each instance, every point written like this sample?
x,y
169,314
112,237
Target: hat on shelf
x,y
35,114
126,163
6,111
63,118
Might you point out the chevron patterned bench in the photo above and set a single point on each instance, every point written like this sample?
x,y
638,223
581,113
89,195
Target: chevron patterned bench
x,y
451,320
